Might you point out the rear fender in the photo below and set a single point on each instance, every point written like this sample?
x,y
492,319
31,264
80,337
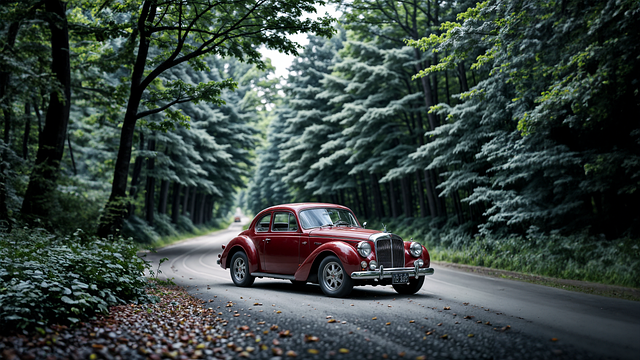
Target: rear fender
x,y
241,243
346,253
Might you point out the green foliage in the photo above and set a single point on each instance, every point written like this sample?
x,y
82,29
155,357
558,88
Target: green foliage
x,y
46,279
578,256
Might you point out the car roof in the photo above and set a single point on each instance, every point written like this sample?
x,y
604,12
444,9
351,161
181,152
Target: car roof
x,y
301,206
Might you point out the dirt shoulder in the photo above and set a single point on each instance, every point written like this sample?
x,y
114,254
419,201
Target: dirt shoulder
x,y
619,292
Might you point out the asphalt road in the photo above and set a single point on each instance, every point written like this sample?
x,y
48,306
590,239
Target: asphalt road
x,y
456,315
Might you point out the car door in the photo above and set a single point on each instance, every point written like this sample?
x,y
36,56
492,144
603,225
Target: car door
x,y
282,246
262,232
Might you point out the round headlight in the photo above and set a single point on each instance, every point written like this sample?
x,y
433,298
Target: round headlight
x,y
415,249
364,248
373,265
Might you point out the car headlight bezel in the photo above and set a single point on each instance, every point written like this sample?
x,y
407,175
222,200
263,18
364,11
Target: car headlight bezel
x,y
364,249
415,249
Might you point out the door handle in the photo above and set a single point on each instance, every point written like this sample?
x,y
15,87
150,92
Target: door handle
x,y
268,239
304,243
317,243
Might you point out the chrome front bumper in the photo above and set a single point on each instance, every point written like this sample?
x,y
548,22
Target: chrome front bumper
x,y
383,273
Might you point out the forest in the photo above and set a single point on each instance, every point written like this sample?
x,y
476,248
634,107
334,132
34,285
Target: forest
x,y
498,133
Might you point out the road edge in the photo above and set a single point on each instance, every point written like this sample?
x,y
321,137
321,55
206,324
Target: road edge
x,y
614,291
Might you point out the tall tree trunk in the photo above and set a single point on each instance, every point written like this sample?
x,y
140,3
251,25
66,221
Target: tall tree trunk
x,y
440,201
27,132
458,207
365,198
392,199
407,200
73,161
377,196
201,209
175,202
431,199
115,209
135,177
5,78
42,181
423,209
192,203
462,77
185,201
164,196
151,184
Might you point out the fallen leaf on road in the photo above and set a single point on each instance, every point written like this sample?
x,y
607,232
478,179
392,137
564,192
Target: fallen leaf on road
x,y
260,322
331,320
286,333
429,333
278,312
257,304
374,318
446,308
313,351
411,321
310,338
343,351
444,336
470,335
389,323
505,328
291,353
439,324
488,323
465,304
244,327
274,327
276,351
329,316
469,317
554,339
275,342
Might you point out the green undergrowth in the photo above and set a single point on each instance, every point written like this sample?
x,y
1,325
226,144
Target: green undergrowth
x,y
164,232
47,279
215,225
576,257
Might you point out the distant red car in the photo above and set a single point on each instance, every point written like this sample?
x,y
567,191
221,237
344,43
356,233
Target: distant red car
x,y
236,219
324,244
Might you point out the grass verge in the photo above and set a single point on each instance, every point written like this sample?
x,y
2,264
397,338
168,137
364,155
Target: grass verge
x,y
549,259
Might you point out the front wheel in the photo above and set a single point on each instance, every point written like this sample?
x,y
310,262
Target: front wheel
x,y
240,270
411,288
333,279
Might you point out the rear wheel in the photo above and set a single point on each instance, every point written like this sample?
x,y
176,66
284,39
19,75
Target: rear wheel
x,y
412,287
240,270
334,280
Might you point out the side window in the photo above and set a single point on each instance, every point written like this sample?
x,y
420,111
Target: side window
x,y
284,221
293,225
263,224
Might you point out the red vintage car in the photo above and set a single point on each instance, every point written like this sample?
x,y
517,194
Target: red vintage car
x,y
324,244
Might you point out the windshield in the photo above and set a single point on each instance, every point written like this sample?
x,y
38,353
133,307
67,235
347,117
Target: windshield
x,y
328,216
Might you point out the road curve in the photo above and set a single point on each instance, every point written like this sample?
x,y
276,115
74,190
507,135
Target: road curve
x,y
456,315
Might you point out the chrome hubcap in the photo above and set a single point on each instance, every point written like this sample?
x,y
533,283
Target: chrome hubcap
x,y
333,276
239,269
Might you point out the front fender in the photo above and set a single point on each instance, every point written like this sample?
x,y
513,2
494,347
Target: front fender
x,y
409,259
241,243
346,253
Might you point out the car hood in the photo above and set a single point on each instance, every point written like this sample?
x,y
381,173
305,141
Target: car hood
x,y
343,232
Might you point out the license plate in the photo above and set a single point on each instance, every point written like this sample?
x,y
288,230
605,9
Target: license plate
x,y
401,278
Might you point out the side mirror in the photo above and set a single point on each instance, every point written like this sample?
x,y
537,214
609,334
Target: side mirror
x,y
364,225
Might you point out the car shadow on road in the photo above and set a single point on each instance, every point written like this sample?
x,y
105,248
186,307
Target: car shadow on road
x,y
358,293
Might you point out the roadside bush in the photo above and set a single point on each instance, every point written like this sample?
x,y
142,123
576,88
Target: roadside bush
x,y
47,279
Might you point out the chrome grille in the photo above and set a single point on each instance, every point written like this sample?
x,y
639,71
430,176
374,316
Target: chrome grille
x,y
390,252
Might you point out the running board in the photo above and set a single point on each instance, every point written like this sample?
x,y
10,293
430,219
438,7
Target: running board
x,y
275,276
